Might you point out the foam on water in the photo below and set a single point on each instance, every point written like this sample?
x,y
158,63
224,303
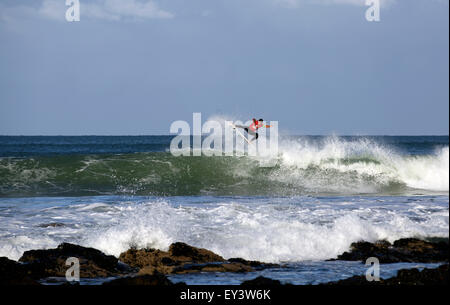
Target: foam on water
x,y
363,166
266,229
302,165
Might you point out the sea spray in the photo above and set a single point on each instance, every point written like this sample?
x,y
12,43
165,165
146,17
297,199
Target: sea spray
x,y
301,166
270,229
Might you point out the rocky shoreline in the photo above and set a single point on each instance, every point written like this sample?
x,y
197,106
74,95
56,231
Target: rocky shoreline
x,y
401,251
151,266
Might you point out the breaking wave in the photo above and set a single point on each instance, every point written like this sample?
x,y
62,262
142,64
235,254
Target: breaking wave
x,y
301,166
267,229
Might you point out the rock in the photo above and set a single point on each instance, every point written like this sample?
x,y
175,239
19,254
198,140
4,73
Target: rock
x,y
437,276
52,262
156,279
403,250
193,254
183,258
179,253
225,267
14,273
254,264
261,281
144,257
151,269
422,250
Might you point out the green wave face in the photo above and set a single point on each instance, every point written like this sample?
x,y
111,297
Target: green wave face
x,y
161,174
134,174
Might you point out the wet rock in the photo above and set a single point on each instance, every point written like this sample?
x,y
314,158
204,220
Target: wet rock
x,y
178,254
184,251
156,279
437,276
14,273
254,264
261,281
183,258
402,250
52,262
145,257
221,267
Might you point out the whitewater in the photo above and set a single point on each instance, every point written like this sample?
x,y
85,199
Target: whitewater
x,y
320,195
301,165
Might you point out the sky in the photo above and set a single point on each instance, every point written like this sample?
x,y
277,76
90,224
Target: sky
x,y
132,67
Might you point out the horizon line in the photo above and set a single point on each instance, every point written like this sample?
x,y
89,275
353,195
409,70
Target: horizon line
x,y
164,135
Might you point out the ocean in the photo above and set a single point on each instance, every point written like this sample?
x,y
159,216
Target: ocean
x,y
321,194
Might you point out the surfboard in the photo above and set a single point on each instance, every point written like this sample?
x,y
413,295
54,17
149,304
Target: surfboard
x,y
239,133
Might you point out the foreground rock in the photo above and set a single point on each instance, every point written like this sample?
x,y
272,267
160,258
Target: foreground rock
x,y
52,262
402,250
438,276
182,258
254,264
14,273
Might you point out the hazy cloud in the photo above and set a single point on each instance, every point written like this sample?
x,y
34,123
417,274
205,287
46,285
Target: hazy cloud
x,y
114,10
298,3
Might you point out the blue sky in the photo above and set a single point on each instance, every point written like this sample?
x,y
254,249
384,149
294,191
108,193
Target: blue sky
x,y
135,66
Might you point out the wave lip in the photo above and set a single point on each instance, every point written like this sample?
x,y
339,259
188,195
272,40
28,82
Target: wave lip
x,y
363,166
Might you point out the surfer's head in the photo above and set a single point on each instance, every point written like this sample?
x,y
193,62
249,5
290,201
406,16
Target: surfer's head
x,y
261,120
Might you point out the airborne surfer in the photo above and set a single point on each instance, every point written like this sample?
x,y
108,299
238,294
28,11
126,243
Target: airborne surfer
x,y
253,128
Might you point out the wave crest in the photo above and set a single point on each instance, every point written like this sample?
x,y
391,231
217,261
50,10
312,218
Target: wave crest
x,y
302,166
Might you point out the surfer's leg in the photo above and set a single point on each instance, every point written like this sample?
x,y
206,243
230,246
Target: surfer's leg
x,y
255,137
252,133
243,127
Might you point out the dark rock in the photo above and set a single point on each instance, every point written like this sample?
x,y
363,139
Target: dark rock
x,y
52,262
437,276
156,279
261,281
143,257
178,254
253,264
182,258
14,273
193,254
221,267
403,250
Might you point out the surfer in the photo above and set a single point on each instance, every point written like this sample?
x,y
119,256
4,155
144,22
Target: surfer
x,y
253,128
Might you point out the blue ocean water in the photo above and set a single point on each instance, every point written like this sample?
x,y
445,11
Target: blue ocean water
x,y
321,194
23,146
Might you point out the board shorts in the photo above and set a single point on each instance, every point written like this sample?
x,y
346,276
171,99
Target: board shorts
x,y
250,132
